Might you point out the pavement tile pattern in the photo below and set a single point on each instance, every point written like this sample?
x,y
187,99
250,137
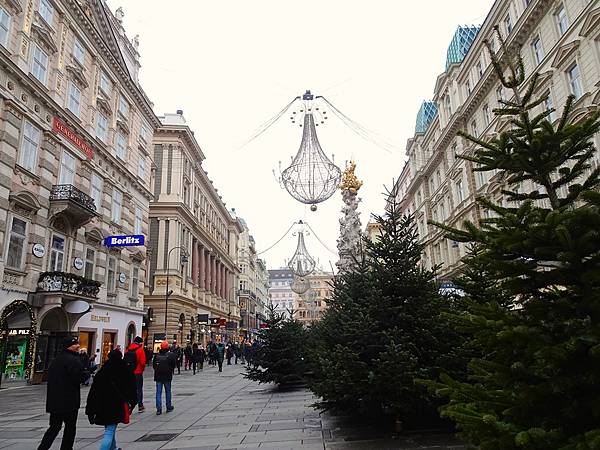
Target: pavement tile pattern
x,y
213,411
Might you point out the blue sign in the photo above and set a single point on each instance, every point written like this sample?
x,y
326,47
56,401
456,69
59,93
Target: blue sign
x,y
124,241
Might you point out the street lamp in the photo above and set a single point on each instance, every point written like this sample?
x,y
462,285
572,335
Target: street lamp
x,y
183,259
231,301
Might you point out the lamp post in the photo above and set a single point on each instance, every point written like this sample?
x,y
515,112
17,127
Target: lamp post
x,y
231,301
183,259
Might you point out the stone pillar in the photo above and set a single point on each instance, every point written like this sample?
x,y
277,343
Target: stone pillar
x,y
224,282
201,266
213,274
195,262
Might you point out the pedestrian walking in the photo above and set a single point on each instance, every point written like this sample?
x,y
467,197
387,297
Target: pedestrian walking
x,y
164,366
187,355
212,353
149,354
247,352
195,357
63,398
111,398
178,352
220,355
86,363
135,360
201,356
229,353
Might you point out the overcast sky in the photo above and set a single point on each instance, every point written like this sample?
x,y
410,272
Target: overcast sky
x,y
232,65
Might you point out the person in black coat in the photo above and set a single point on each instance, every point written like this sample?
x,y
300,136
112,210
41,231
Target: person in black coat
x,y
63,398
164,366
111,398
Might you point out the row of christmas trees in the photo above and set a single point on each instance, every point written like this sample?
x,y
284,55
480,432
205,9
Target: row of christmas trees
x,y
515,361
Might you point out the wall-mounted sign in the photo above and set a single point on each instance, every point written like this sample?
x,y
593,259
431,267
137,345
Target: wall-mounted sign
x,y
38,250
77,307
203,319
122,278
214,321
95,318
124,241
59,127
78,263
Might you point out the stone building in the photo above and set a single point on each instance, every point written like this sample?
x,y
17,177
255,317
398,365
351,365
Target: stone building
x,y
311,305
194,242
558,39
280,291
75,168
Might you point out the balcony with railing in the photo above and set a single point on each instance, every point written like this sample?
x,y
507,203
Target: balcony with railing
x,y
75,205
69,284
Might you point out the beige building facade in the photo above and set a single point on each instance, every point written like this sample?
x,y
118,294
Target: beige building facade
x,y
194,242
311,305
558,39
75,159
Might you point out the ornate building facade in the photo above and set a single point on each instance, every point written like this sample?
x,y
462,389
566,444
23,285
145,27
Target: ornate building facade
x,y
558,39
194,239
75,136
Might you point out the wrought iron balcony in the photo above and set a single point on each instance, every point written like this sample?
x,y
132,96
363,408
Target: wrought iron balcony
x,y
68,283
66,199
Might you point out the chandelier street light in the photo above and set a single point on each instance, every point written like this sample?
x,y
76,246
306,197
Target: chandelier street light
x,y
183,259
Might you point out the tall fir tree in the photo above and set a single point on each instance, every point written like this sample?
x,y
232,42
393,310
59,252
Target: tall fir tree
x,y
383,329
536,381
281,355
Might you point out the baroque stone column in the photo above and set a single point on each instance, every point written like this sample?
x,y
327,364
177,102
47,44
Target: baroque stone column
x,y
195,262
201,268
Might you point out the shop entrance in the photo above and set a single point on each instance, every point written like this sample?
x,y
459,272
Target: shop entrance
x,y
53,330
130,335
87,341
108,343
17,327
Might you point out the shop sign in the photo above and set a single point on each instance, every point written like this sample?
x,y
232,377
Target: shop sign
x,y
78,263
214,321
95,318
232,325
18,332
59,127
124,241
159,337
38,250
203,319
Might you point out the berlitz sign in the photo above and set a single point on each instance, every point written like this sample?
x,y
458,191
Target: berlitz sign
x,y
124,241
61,128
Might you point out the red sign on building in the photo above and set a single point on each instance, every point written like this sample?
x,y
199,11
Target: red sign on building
x,y
59,127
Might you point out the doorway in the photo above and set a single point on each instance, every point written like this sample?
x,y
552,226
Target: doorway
x,y
108,343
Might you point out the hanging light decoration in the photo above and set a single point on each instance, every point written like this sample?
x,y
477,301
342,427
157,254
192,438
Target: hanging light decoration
x,y
301,264
311,178
300,285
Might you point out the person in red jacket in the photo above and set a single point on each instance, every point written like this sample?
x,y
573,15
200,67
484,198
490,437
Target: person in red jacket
x,y
138,371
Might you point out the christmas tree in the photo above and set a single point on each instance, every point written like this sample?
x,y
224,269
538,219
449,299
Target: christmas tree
x,y
281,355
383,329
535,383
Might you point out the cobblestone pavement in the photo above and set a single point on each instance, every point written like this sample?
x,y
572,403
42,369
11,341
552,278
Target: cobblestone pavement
x,y
213,411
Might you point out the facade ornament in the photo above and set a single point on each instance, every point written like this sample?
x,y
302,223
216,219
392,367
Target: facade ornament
x,y
119,14
136,42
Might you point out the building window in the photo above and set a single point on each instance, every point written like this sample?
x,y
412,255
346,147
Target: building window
x,y
538,52
468,87
16,243
144,133
57,254
448,106
575,81
550,107
135,281
500,95
90,263
473,127
105,84
96,190
561,20
67,168
117,202
479,69
486,115
123,106
29,147
137,224
4,27
101,127
111,275
142,167
79,52
74,100
507,24
46,11
121,147
460,193
39,64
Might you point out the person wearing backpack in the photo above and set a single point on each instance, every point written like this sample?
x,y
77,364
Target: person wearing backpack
x,y
164,365
135,360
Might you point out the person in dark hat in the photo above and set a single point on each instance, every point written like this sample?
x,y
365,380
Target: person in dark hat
x,y
111,398
65,375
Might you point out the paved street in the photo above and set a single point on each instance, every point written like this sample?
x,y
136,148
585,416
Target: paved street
x,y
212,411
